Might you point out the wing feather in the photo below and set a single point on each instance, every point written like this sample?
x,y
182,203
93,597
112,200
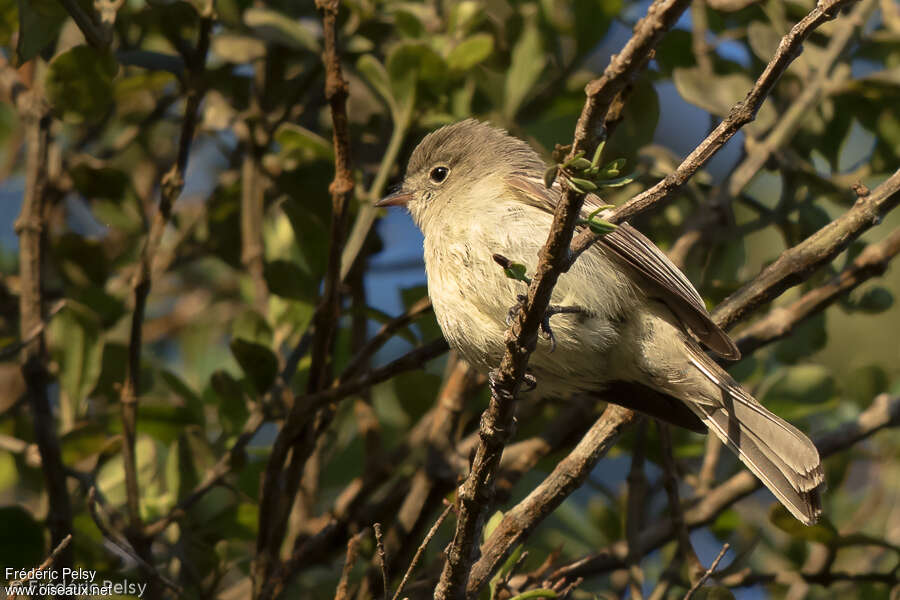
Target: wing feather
x,y
661,279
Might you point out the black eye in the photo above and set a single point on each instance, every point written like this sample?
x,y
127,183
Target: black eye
x,y
439,174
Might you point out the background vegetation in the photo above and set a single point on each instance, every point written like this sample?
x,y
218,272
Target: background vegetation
x,y
180,281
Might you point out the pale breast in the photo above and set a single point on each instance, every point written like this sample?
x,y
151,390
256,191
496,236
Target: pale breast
x,y
472,297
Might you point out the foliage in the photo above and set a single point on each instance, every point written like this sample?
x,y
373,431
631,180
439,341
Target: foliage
x,y
236,278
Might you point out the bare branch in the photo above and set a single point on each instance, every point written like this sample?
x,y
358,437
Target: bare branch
x,y
171,185
741,113
569,474
795,264
872,262
30,227
343,592
48,562
884,412
712,568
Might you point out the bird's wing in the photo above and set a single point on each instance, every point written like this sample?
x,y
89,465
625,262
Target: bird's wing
x,y
659,277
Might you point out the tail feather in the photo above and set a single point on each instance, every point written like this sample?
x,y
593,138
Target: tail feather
x,y
784,459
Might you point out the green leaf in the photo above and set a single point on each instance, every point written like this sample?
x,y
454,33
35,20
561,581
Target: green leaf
x,y
301,144
274,26
491,525
377,76
407,64
617,182
713,592
237,49
80,84
76,344
536,593
25,539
464,16
550,175
9,20
719,93
252,327
822,532
84,442
874,300
257,361
470,52
526,65
232,405
806,383
582,185
39,25
286,279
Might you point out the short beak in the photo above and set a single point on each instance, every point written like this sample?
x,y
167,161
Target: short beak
x,y
398,198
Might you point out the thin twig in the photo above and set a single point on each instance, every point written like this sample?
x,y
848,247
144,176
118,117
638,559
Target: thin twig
x,y
98,515
708,573
415,560
97,35
15,586
670,481
569,474
171,185
872,262
740,114
385,333
382,559
343,588
884,412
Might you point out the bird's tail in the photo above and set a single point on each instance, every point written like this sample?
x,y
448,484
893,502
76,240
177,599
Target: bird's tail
x,y
783,458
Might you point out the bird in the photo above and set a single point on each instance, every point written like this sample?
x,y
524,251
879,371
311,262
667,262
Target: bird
x,y
624,321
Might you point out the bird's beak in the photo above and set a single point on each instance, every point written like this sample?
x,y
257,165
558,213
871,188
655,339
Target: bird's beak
x,y
398,198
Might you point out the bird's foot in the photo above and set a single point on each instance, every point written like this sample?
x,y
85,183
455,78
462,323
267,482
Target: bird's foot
x,y
555,309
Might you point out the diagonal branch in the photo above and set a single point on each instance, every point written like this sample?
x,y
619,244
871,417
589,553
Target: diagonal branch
x,y
795,264
884,412
741,113
569,474
872,262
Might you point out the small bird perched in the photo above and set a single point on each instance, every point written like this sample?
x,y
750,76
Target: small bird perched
x,y
624,318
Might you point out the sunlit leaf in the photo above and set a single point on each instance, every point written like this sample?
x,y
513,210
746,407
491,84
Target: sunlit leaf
x,y
274,26
526,65
822,532
470,52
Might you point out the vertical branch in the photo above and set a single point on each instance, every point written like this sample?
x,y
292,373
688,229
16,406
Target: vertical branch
x,y
171,185
251,225
290,451
30,229
341,188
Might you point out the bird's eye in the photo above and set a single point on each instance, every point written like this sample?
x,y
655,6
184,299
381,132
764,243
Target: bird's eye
x,y
439,174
